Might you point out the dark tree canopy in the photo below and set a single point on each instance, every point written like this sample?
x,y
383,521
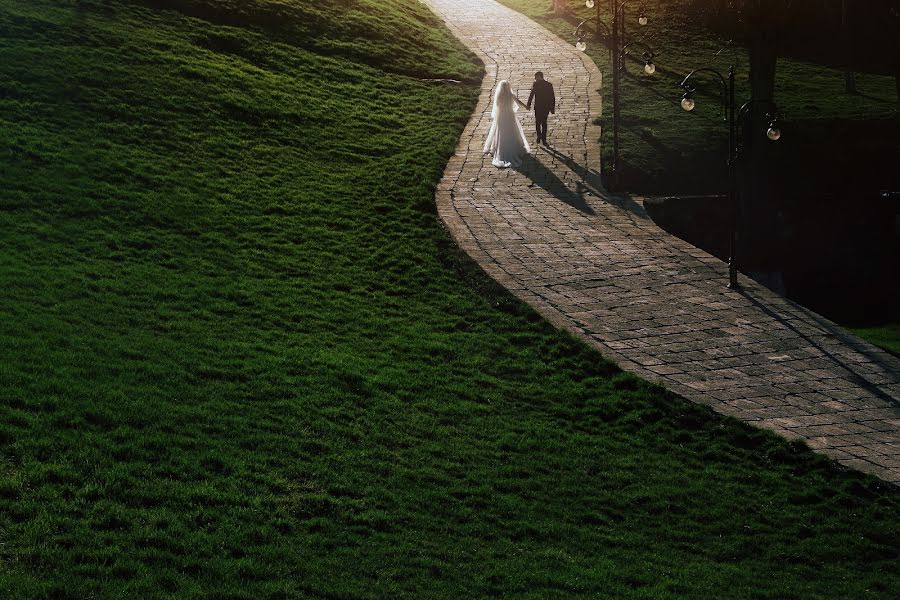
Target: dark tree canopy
x,y
858,34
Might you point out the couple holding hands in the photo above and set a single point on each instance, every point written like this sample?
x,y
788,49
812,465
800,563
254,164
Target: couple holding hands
x,y
506,140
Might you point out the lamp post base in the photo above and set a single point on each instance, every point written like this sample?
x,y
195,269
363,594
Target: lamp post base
x,y
732,279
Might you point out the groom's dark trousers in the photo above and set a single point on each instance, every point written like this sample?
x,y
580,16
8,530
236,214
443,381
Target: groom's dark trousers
x,y
544,104
540,120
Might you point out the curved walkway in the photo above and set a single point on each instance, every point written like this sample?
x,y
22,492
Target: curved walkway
x,y
597,266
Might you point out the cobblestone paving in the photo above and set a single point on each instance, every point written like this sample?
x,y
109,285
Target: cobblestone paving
x,y
596,265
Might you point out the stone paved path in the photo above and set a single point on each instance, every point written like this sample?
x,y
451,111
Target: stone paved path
x,y
596,265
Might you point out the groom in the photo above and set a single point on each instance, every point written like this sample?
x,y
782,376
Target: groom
x,y
544,104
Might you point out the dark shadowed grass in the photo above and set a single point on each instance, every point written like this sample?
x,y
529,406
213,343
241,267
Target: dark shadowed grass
x,y
240,358
888,336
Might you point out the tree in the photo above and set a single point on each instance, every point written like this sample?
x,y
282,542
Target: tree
x,y
559,7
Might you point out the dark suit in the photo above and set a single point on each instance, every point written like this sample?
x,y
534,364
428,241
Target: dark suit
x,y
544,104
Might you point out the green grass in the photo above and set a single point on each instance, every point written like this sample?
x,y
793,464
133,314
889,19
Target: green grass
x,y
888,336
240,357
665,150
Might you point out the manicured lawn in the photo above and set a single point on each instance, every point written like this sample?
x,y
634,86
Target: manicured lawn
x,y
239,356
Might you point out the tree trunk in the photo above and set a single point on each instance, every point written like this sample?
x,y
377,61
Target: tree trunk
x,y
850,82
847,39
897,82
559,7
758,205
895,20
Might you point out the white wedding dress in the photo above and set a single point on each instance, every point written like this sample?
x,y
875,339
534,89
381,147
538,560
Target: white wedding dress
x,y
506,139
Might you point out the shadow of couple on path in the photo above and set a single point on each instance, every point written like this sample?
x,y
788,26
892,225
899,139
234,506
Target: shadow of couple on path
x,y
588,183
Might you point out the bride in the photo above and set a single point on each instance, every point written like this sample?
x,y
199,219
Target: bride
x,y
506,140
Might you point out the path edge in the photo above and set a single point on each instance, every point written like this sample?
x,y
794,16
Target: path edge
x,y
466,241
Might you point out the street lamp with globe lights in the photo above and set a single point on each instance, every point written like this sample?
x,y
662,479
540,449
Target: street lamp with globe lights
x,y
595,26
615,37
647,55
642,20
619,41
773,133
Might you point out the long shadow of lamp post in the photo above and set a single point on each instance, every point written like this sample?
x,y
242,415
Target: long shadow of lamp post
x,y
616,42
773,132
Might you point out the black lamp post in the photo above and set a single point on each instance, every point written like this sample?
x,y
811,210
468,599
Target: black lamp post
x,y
618,7
617,50
728,104
621,19
616,78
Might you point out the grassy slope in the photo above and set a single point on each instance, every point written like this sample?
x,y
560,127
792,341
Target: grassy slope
x,y
238,354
